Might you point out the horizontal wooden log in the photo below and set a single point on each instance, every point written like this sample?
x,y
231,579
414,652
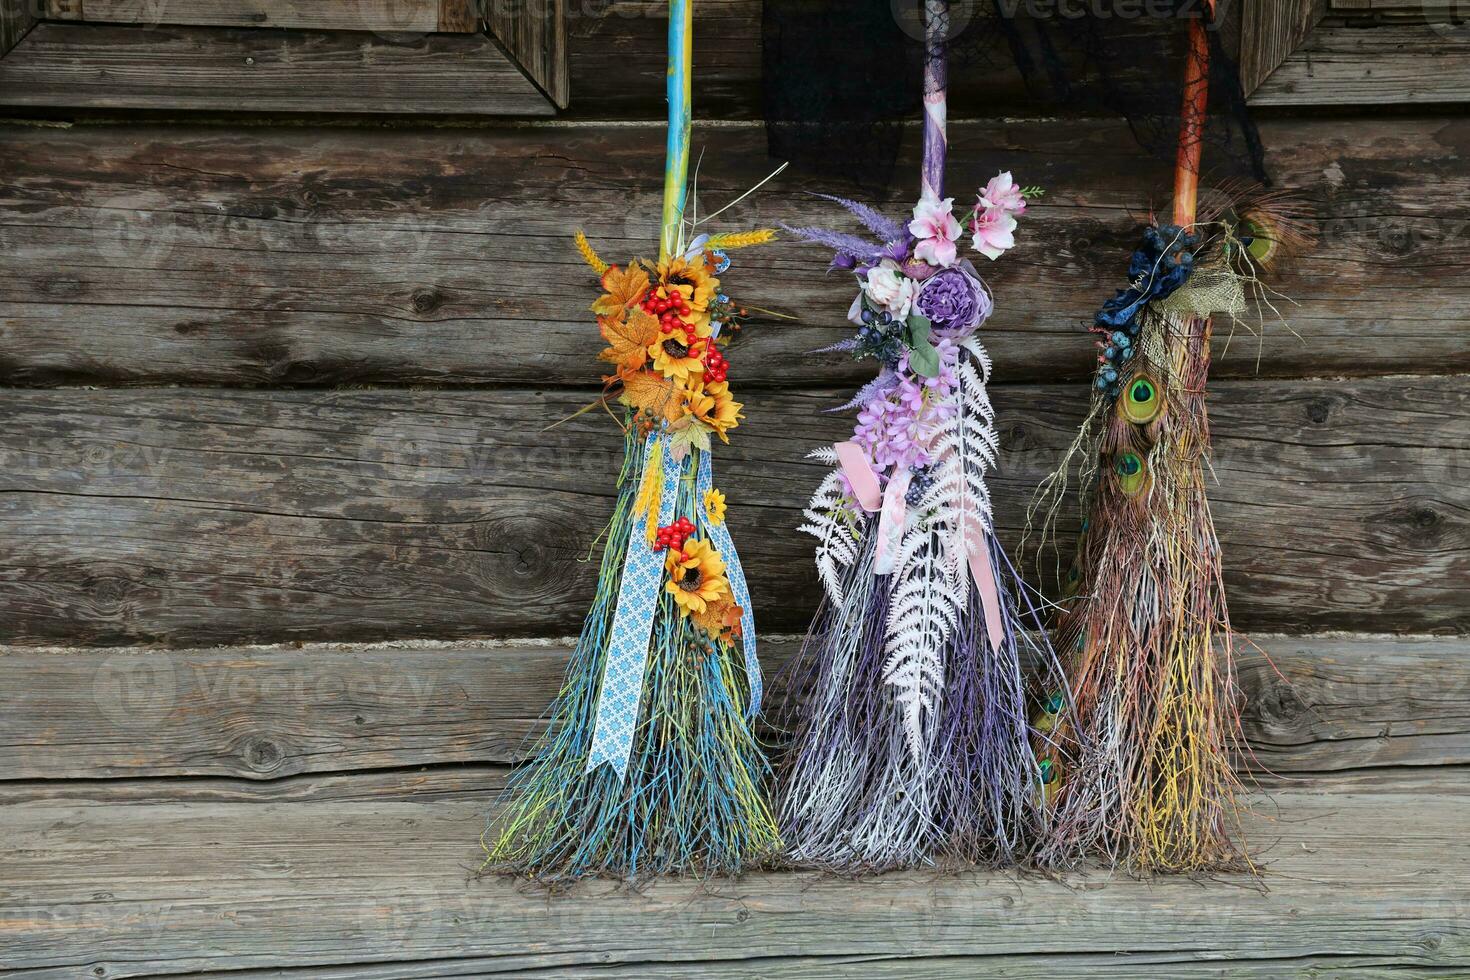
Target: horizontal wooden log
x,y
202,516
1165,966
100,66
1390,64
383,16
311,257
1313,705
377,888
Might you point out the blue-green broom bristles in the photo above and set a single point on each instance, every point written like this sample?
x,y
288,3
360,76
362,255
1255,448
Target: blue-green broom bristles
x,y
694,799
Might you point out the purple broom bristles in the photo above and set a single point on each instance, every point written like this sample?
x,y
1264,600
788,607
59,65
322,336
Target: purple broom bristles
x,y
853,796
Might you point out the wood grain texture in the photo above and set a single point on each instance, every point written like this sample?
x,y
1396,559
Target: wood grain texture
x,y
223,69
1317,705
386,16
1408,7
145,255
535,34
201,516
1391,64
1270,30
459,15
376,888
17,17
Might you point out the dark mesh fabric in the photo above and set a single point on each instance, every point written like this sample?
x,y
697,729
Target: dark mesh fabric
x,y
842,77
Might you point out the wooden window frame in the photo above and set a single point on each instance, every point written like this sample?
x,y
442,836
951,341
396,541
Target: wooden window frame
x,y
1315,52
442,57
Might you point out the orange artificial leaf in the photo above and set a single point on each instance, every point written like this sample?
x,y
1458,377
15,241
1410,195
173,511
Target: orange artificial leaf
x,y
652,393
720,619
732,616
628,339
625,287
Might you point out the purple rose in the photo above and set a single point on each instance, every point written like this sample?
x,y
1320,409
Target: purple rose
x,y
954,300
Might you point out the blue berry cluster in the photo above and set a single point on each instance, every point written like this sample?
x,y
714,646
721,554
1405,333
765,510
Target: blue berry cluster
x,y
1159,266
880,337
922,478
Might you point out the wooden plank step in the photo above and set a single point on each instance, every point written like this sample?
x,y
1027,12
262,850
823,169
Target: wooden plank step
x,y
300,256
1319,704
102,66
1372,868
207,516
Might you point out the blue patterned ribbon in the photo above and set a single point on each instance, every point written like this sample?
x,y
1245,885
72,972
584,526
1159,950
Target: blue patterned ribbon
x,y
632,627
720,535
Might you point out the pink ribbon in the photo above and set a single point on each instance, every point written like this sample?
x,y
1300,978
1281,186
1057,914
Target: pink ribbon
x,y
863,479
860,475
978,549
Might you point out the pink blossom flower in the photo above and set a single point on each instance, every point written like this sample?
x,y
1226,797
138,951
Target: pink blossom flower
x,y
937,228
994,230
1003,192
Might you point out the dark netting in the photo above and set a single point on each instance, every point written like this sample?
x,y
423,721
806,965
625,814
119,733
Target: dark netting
x,y
841,79
1133,58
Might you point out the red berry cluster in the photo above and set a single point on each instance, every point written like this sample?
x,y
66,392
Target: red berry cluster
x,y
674,535
668,309
716,368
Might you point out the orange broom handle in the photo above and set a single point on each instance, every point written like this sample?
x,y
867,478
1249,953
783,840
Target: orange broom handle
x,y
1192,121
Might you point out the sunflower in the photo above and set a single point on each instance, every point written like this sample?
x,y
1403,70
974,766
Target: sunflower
x,y
714,506
677,354
694,279
696,577
715,407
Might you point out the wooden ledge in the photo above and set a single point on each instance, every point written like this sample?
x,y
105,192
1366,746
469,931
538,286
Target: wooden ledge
x,y
99,66
1364,875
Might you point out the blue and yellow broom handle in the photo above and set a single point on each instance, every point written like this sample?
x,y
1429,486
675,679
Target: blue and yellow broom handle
x,y
676,163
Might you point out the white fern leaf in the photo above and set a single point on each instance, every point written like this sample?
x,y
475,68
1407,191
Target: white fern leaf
x,y
831,519
826,454
921,617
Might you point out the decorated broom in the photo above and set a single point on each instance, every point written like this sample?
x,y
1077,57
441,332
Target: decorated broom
x,y
913,741
1145,629
649,765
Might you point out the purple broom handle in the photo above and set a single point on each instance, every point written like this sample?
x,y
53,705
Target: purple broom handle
x,y
936,80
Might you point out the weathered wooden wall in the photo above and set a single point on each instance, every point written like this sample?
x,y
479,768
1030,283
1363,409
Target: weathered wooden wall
x,y
285,380
291,259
